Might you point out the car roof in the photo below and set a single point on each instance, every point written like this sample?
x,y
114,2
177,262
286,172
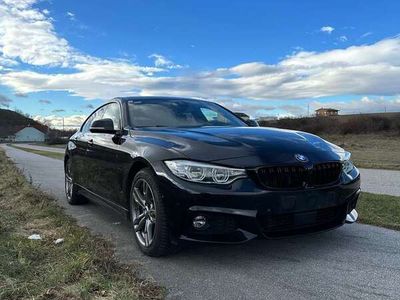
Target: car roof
x,y
165,98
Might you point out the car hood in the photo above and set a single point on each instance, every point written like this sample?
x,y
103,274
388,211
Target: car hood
x,y
243,146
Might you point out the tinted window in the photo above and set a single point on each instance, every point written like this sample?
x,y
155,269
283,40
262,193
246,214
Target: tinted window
x,y
179,113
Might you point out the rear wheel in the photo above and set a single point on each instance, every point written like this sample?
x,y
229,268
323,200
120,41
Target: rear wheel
x,y
71,190
148,215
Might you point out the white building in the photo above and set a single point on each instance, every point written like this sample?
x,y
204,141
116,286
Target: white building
x,y
29,134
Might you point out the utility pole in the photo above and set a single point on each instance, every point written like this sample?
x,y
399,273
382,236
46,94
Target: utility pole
x,y
63,124
308,109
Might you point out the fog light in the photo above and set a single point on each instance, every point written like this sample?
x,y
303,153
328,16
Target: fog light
x,y
199,222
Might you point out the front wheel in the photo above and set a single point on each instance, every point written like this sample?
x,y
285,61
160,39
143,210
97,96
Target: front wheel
x,y
148,215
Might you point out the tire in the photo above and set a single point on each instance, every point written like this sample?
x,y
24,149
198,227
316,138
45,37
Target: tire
x,y
71,189
148,215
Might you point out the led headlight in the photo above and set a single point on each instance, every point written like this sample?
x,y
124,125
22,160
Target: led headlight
x,y
204,173
347,164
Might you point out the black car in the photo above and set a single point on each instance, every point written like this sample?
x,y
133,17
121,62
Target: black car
x,y
190,169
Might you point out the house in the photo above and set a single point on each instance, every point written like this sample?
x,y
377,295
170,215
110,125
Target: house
x,y
22,134
326,112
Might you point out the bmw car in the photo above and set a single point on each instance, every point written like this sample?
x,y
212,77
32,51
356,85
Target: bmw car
x,y
189,169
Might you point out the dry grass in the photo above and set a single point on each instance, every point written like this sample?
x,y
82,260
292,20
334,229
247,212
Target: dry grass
x,y
371,150
379,210
83,267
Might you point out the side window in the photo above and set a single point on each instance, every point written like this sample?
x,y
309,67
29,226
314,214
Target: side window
x,y
97,115
112,111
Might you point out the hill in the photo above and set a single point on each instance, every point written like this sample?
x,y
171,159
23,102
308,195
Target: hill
x,y
12,121
13,118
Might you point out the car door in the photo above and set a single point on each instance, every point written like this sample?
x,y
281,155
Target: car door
x,y
77,148
103,160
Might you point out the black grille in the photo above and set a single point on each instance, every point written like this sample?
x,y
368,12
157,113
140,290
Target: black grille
x,y
294,177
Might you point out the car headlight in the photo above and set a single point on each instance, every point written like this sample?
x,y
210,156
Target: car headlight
x,y
204,173
347,164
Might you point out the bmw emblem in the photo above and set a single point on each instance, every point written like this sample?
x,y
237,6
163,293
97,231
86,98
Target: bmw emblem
x,y
301,157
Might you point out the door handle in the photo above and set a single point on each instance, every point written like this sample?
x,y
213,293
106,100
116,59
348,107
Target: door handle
x,y
90,142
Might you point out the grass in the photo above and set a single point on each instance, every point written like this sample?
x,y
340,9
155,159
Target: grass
x,y
83,267
370,150
57,146
379,210
50,154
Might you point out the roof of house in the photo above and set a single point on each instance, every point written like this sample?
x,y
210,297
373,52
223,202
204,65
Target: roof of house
x,y
331,109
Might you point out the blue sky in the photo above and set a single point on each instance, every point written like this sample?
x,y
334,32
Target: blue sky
x,y
62,58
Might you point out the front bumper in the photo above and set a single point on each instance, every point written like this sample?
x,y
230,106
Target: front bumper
x,y
244,210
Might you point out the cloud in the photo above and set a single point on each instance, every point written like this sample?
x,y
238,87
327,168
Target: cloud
x,y
70,122
366,34
253,109
71,15
5,101
161,61
44,101
28,34
327,29
60,110
89,106
20,95
366,69
343,38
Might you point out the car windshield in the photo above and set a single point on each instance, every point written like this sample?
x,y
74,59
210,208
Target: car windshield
x,y
179,113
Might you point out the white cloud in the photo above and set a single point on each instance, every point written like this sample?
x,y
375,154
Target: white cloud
x,y
327,29
343,38
71,15
366,34
70,122
161,61
366,69
27,34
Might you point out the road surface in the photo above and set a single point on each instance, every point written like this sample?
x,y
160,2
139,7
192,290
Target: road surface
x,y
354,261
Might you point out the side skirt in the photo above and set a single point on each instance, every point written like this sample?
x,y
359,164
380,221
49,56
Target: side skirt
x,y
103,201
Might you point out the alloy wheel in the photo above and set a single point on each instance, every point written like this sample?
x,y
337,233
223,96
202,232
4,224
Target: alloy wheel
x,y
143,212
69,185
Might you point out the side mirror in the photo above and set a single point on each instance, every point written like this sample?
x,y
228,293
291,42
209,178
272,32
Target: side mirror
x,y
252,123
103,126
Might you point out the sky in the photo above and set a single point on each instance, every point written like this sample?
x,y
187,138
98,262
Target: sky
x,y
61,59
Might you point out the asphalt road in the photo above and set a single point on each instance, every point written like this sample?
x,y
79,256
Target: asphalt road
x,y
354,261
